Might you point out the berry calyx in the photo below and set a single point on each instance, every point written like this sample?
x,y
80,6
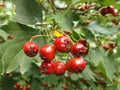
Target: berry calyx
x,y
47,67
76,65
30,49
63,44
11,37
60,68
47,52
78,49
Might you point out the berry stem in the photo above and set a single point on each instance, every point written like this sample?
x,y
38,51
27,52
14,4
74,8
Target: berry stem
x,y
38,36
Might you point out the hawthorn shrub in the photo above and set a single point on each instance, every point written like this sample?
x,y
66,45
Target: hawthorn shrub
x,y
59,45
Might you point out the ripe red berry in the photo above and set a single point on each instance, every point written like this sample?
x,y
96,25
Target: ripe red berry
x,y
110,9
30,49
87,6
60,68
114,12
15,87
62,44
83,41
115,21
21,87
2,5
104,11
112,45
11,37
47,67
78,49
76,65
47,52
27,87
106,47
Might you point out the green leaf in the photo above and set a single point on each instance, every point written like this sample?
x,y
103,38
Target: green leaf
x,y
74,77
1,67
27,12
65,20
11,58
3,34
104,30
89,76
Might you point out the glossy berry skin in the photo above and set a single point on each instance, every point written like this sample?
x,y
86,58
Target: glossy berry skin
x,y
60,68
47,67
62,44
78,49
47,52
76,65
85,7
114,12
30,49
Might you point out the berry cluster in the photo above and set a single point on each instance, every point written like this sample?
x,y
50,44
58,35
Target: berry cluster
x,y
109,10
111,45
62,44
18,86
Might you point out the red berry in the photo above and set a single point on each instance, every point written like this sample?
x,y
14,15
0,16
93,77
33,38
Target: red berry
x,y
28,87
2,5
60,68
47,52
110,9
11,37
78,49
112,45
15,87
21,88
115,21
83,41
30,49
114,12
106,47
62,44
47,67
76,65
87,6
17,84
104,11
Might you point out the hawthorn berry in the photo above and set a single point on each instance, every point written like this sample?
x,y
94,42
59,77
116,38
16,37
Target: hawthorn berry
x,y
28,87
76,65
78,49
85,7
60,68
114,12
63,44
105,47
47,67
47,52
2,5
11,37
115,21
104,11
110,9
30,49
112,45
83,41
